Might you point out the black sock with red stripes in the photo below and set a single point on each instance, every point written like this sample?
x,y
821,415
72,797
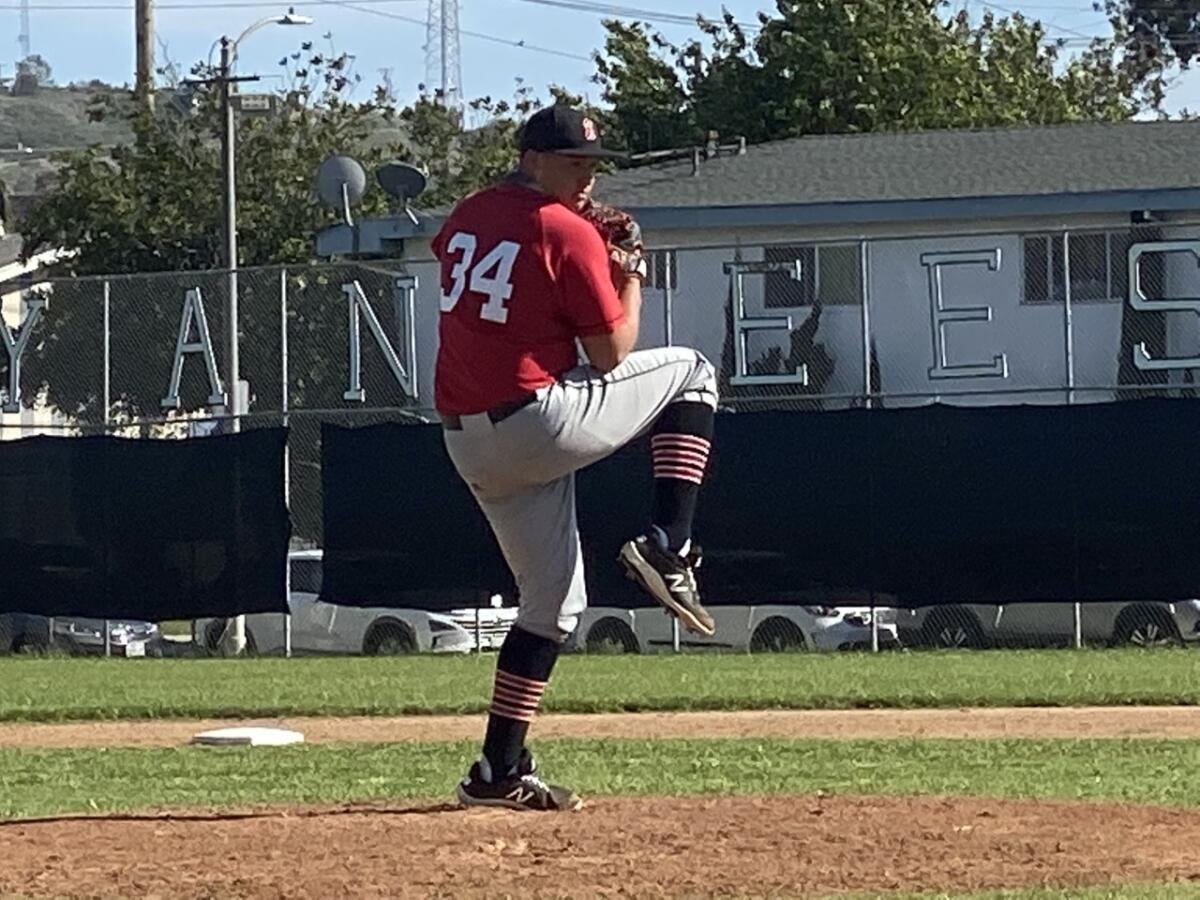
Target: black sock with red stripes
x,y
679,445
522,671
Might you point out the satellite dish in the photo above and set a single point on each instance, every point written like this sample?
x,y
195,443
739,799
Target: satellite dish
x,y
341,184
403,182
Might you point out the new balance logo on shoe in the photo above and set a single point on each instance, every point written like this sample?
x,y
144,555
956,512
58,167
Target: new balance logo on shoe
x,y
677,583
520,795
520,789
668,578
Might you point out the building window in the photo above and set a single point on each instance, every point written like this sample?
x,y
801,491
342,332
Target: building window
x,y
1099,267
306,576
660,264
829,273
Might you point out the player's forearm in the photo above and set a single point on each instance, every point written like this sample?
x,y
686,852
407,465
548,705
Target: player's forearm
x,y
631,302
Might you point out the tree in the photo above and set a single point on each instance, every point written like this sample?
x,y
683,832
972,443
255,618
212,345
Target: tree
x,y
838,66
1157,29
1154,35
36,66
155,205
653,112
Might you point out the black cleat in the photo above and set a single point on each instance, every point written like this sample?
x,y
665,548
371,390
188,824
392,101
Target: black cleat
x,y
670,579
520,789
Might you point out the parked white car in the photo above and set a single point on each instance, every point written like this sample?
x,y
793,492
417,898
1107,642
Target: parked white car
x,y
754,629
327,628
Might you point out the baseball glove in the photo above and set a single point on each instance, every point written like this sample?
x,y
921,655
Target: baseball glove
x,y
621,234
617,227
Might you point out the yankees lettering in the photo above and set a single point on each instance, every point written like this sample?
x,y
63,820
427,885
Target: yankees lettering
x,y
530,267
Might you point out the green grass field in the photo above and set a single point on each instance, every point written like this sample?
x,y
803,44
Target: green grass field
x,y
116,780
59,689
40,782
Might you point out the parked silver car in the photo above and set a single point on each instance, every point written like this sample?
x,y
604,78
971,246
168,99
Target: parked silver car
x,y
324,628
25,633
1051,624
756,629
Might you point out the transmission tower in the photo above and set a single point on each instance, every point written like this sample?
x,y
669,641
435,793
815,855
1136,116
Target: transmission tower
x,y
443,62
23,37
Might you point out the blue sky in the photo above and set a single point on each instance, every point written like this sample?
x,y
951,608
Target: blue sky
x,y
81,44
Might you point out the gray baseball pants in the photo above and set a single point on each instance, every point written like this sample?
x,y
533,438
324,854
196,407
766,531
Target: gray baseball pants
x,y
521,470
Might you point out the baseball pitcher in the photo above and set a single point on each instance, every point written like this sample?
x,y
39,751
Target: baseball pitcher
x,y
528,267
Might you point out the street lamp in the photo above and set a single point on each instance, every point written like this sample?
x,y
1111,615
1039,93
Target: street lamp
x,y
237,638
229,172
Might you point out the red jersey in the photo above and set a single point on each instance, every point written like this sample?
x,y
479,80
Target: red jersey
x,y
522,276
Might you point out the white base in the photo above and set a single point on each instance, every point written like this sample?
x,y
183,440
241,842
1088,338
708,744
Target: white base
x,y
248,736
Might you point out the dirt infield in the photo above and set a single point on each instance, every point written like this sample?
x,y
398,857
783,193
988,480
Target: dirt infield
x,y
1040,722
615,847
623,846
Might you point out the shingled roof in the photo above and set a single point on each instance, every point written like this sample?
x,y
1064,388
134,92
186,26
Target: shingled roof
x,y
931,165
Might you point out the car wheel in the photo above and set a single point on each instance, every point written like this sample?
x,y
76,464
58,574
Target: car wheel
x,y
389,639
953,629
611,636
31,645
1147,628
777,635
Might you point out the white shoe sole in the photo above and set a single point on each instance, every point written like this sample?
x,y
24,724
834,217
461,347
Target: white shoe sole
x,y
648,577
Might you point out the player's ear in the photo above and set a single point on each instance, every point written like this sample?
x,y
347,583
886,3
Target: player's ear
x,y
529,161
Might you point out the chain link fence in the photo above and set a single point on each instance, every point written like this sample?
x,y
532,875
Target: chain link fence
x,y
1050,317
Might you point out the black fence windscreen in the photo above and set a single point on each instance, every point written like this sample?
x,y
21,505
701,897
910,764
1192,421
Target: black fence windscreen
x,y
909,507
143,529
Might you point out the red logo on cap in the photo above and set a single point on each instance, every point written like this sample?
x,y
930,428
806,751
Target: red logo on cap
x,y
589,130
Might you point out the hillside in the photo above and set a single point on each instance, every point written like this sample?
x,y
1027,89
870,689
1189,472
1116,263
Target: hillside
x,y
54,119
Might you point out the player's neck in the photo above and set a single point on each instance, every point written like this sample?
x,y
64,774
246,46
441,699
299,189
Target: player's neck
x,y
525,179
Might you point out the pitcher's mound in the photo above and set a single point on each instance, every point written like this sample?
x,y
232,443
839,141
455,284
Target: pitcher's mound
x,y
644,846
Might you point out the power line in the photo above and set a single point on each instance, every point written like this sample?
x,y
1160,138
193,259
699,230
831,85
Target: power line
x,y
629,12
523,45
1062,28
358,6
225,4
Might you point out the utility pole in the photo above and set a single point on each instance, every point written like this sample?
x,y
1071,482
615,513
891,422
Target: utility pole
x,y
237,637
144,35
443,59
229,175
445,39
224,79
23,35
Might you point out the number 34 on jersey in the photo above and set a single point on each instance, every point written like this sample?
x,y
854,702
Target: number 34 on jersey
x,y
490,276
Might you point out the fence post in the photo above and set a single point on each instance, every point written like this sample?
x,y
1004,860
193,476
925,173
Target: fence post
x,y
106,400
668,297
864,263
874,625
287,465
1069,350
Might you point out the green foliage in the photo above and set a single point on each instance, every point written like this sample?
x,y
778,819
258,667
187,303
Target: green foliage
x,y
36,67
155,204
1157,32
835,66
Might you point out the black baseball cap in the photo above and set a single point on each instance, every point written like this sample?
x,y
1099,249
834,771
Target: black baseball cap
x,y
566,131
